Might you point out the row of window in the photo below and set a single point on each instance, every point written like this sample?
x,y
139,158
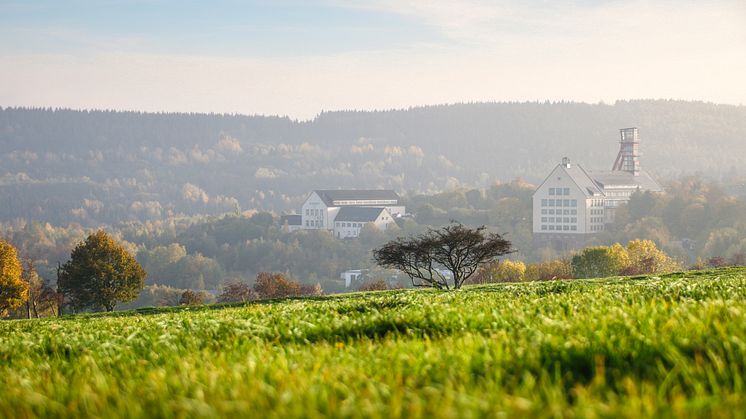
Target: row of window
x,y
597,220
559,219
356,225
559,212
313,211
559,202
552,227
597,202
559,191
314,223
597,212
597,228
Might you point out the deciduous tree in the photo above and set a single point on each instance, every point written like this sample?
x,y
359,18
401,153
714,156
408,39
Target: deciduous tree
x,y
13,290
454,248
100,273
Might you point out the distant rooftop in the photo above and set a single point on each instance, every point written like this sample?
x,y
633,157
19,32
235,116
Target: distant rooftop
x,y
338,197
358,214
621,179
291,219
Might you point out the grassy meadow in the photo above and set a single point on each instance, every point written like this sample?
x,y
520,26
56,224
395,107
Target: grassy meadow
x,y
671,345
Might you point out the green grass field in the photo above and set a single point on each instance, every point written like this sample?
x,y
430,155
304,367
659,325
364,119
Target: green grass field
x,y
672,345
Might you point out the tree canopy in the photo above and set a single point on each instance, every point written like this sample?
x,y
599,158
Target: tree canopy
x,y
100,273
13,290
454,250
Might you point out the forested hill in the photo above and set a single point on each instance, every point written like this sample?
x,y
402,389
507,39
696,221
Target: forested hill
x,y
105,167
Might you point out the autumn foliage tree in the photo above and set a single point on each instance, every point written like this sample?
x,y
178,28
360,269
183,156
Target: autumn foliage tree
x,y
13,290
100,273
236,292
454,248
275,285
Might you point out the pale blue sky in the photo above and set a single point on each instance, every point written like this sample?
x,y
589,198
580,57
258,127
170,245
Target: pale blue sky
x,y
296,58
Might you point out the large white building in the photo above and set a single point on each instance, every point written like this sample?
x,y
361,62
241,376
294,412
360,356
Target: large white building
x,y
572,204
344,212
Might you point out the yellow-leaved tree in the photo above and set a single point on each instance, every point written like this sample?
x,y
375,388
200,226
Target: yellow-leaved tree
x,y
13,290
646,258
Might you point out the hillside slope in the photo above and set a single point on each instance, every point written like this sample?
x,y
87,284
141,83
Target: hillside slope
x,y
631,347
108,167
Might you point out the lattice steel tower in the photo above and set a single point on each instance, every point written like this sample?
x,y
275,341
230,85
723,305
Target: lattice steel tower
x,y
628,159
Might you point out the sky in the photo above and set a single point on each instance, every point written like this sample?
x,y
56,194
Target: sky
x,y
299,58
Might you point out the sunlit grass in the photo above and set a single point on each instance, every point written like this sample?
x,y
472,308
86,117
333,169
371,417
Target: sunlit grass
x,y
670,345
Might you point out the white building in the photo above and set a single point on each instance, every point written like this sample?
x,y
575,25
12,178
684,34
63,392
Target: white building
x,y
321,208
350,220
572,204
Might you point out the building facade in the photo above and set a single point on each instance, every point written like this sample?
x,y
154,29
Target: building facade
x,y
573,204
345,212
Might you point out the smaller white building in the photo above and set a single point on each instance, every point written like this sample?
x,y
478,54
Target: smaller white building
x,y
350,220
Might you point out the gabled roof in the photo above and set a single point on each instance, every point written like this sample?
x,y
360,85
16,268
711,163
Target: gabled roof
x,y
358,214
331,195
580,177
620,179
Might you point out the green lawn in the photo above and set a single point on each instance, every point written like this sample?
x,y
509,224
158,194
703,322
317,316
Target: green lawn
x,y
668,345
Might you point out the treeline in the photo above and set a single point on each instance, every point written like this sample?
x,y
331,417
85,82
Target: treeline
x,y
694,219
99,168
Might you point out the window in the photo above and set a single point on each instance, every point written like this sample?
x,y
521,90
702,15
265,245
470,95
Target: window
x,y
574,228
543,219
543,227
543,202
551,191
551,212
566,212
565,228
559,228
566,202
543,212
573,220
574,203
551,202
566,219
551,228
567,191
573,212
551,219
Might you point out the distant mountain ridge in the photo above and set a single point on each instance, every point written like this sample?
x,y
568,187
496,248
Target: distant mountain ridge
x,y
107,166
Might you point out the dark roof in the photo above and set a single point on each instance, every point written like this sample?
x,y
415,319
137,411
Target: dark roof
x,y
582,179
621,179
291,219
358,214
331,195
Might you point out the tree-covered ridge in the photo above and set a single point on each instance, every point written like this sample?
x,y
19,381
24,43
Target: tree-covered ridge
x,y
96,167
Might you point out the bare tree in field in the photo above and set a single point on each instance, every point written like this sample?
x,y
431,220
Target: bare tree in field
x,y
455,248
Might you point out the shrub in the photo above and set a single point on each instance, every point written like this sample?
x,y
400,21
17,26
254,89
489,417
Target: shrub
x,y
501,271
547,271
275,285
191,298
373,285
237,292
600,261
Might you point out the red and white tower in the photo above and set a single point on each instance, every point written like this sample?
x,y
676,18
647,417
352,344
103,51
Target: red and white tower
x,y
628,159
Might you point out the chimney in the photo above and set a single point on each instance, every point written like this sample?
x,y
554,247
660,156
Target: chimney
x,y
566,162
628,159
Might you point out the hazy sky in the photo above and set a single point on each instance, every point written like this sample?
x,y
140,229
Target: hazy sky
x,y
300,57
